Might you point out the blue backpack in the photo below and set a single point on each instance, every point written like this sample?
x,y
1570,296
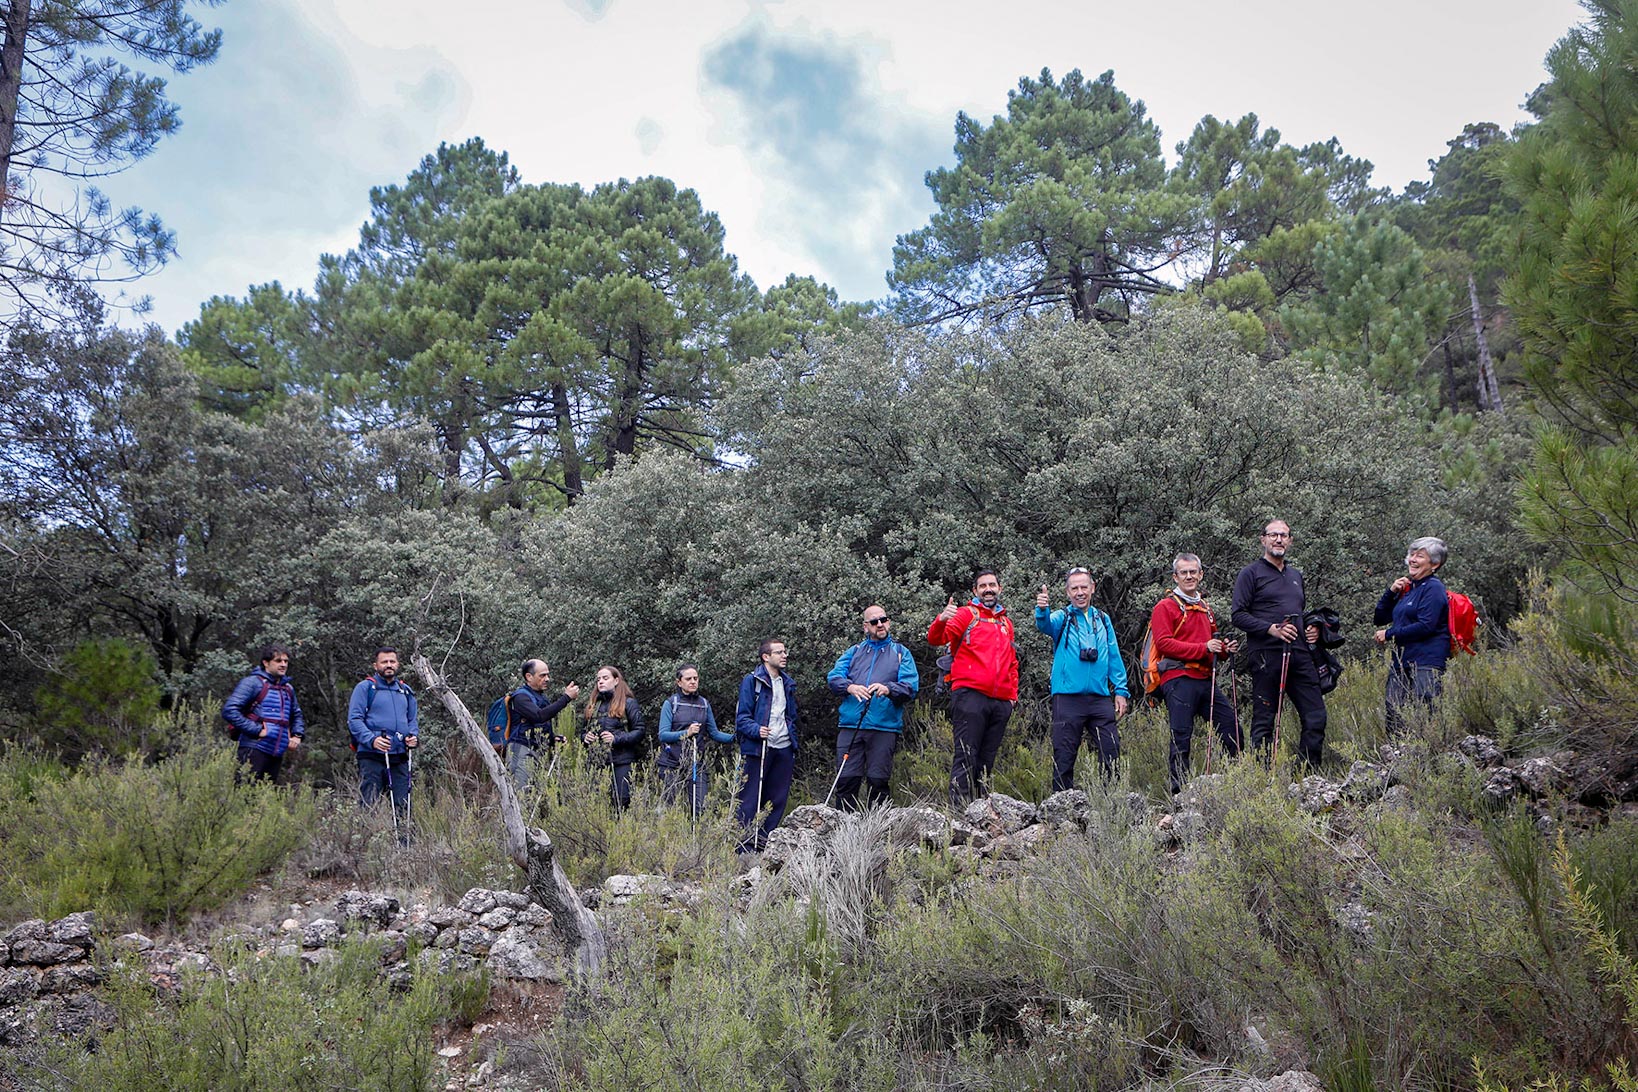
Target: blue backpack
x,y
499,721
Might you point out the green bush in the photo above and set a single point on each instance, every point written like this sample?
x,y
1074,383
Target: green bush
x,y
270,1022
140,841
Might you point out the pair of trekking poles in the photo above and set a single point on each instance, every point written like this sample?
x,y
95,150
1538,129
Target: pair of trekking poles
x,y
409,777
1234,699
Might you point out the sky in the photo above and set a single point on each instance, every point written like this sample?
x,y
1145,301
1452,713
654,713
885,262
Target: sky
x,y
807,127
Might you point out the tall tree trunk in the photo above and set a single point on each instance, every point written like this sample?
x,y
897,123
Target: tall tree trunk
x,y
568,451
628,394
11,83
529,847
1489,392
1450,376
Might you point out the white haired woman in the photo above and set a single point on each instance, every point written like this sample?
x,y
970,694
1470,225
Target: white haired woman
x,y
1415,615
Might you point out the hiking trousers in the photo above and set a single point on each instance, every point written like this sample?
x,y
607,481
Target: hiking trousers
x,y
1302,692
1187,700
1409,683
765,782
1078,716
978,723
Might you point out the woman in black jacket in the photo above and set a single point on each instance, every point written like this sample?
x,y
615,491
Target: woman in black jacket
x,y
614,728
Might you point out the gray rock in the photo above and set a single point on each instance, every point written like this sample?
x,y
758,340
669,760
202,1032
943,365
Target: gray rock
x,y
372,910
446,916
287,951
1482,750
533,917
514,958
479,900
400,977
447,962
1295,1080
1366,781
45,953
498,918
71,978
1180,828
921,825
475,940
319,956
321,933
1032,839
133,942
1137,809
1315,794
787,843
1502,786
1067,806
1005,848
76,929
18,984
393,945
818,818
965,834
447,938
998,814
77,1017
31,930
422,932
512,900
1541,776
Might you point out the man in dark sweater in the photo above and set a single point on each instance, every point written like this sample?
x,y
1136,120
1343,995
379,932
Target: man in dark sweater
x,y
1268,606
533,714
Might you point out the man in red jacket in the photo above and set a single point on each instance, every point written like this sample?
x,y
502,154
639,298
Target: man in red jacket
x,y
1185,636
983,681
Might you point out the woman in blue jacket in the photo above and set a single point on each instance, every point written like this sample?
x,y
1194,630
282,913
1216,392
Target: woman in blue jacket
x,y
685,719
1417,612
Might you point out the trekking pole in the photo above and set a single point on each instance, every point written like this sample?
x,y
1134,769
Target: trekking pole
x,y
409,779
848,750
1211,711
1279,706
392,801
761,769
694,778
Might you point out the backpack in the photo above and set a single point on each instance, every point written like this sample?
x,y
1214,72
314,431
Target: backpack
x,y
1464,623
1152,664
499,721
255,703
947,661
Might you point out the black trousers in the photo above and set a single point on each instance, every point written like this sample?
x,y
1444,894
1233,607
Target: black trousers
x,y
262,764
978,723
869,757
1302,692
1188,699
1078,716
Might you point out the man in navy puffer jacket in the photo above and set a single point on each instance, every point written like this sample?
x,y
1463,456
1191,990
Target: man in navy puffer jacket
x,y
263,714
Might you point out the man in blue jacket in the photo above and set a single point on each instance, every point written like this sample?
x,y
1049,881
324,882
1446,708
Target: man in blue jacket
x,y
1089,691
263,715
765,722
1416,610
879,678
383,720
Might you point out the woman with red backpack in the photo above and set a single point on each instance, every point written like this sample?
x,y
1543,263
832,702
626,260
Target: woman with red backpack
x,y
1415,615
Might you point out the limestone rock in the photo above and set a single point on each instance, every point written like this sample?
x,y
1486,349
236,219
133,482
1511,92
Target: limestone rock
x,y
18,984
1502,785
1541,776
1482,750
998,814
479,900
45,953
321,933
1366,781
423,932
922,825
498,918
133,942
1315,794
446,916
71,978
318,956
815,817
513,958
475,940
786,843
373,910
965,834
532,916
76,929
512,900
1067,806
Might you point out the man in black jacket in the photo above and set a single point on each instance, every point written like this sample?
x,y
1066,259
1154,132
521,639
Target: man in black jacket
x,y
532,715
1268,605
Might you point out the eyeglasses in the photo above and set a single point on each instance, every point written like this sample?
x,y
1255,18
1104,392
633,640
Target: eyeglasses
x,y
876,621
1079,571
1276,534
1187,572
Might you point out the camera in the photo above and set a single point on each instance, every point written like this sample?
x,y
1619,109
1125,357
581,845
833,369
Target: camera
x,y
1089,655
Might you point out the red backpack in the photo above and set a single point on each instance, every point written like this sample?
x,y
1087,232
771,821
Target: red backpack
x,y
1464,623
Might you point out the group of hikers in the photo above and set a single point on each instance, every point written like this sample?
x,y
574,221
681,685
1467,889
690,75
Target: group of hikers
x,y
1285,659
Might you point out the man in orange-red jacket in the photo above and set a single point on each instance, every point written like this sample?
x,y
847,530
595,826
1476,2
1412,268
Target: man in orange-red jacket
x,y
1185,636
983,681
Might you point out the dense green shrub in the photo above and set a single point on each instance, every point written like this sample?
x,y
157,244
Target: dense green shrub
x,y
140,841
270,1022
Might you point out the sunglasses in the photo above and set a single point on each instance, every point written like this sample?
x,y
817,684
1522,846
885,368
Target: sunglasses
x,y
876,621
